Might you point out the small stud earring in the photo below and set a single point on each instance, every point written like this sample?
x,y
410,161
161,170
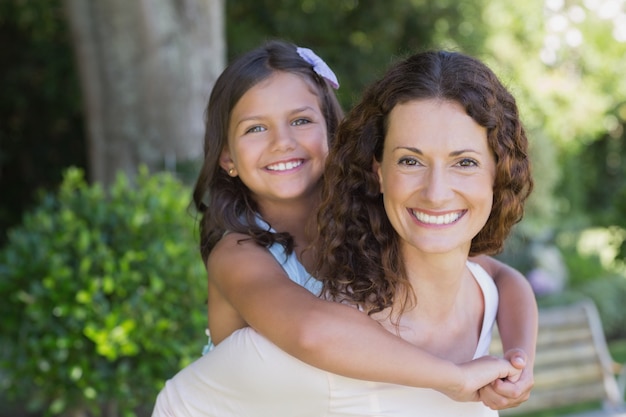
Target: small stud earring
x,y
231,171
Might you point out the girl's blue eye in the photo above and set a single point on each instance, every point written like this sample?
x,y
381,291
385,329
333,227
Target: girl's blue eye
x,y
299,122
255,129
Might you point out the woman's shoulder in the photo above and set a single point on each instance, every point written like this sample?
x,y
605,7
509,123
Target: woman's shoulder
x,y
478,270
484,280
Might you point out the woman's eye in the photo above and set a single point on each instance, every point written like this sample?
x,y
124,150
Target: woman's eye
x,y
468,162
408,161
255,129
299,122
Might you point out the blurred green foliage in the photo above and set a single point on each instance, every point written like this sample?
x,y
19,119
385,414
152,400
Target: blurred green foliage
x,y
357,38
608,291
104,295
42,129
589,277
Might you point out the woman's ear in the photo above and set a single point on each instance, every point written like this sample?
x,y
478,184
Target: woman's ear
x,y
376,170
226,162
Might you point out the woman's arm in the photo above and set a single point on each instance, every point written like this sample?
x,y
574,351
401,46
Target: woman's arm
x,y
328,335
517,324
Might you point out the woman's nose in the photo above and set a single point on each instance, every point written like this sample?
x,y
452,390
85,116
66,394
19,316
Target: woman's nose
x,y
438,186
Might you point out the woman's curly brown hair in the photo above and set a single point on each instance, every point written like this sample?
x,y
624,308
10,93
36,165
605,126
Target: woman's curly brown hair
x,y
358,252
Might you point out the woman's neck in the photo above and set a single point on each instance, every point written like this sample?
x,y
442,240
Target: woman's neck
x,y
436,279
448,299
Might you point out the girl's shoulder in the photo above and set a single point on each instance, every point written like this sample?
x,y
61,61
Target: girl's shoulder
x,y
235,245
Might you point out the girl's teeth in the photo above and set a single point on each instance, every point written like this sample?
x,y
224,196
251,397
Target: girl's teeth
x,y
283,166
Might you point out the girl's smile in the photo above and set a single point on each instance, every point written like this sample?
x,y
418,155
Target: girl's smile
x,y
285,166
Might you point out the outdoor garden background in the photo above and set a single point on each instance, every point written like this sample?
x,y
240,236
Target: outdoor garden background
x,y
102,286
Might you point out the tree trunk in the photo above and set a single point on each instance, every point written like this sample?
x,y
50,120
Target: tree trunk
x,y
146,70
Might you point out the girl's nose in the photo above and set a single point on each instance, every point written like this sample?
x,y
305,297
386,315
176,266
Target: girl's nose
x,y
282,139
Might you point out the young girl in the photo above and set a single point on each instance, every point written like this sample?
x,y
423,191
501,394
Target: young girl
x,y
268,122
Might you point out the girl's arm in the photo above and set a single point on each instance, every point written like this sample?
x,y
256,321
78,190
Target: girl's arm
x,y
517,324
328,335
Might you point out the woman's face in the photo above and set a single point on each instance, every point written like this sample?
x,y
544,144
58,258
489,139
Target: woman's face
x,y
436,176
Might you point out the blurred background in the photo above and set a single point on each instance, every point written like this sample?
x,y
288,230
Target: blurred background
x,y
101,128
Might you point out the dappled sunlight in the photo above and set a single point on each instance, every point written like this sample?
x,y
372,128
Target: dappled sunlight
x,y
564,20
603,243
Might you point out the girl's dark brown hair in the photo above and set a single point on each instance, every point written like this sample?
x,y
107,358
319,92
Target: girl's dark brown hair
x,y
223,202
358,250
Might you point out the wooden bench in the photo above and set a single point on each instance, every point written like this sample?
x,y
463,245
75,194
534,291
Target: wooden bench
x,y
573,364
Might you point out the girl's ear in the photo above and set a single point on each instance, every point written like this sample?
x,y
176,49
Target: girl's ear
x,y
376,170
226,162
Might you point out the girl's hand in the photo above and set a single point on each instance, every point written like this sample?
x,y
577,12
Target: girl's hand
x,y
514,390
480,373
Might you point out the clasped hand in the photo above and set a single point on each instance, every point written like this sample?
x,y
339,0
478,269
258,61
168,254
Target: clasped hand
x,y
498,382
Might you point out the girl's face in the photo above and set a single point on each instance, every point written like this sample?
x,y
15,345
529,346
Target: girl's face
x,y
436,175
277,140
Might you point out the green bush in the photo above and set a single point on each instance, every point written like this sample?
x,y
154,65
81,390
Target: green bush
x,y
104,296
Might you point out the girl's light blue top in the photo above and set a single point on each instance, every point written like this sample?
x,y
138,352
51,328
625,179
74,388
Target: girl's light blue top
x,y
292,266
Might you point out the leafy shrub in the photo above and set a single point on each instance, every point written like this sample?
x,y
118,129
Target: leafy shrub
x,y
104,296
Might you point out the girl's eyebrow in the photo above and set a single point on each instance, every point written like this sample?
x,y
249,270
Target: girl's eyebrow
x,y
301,109
247,119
